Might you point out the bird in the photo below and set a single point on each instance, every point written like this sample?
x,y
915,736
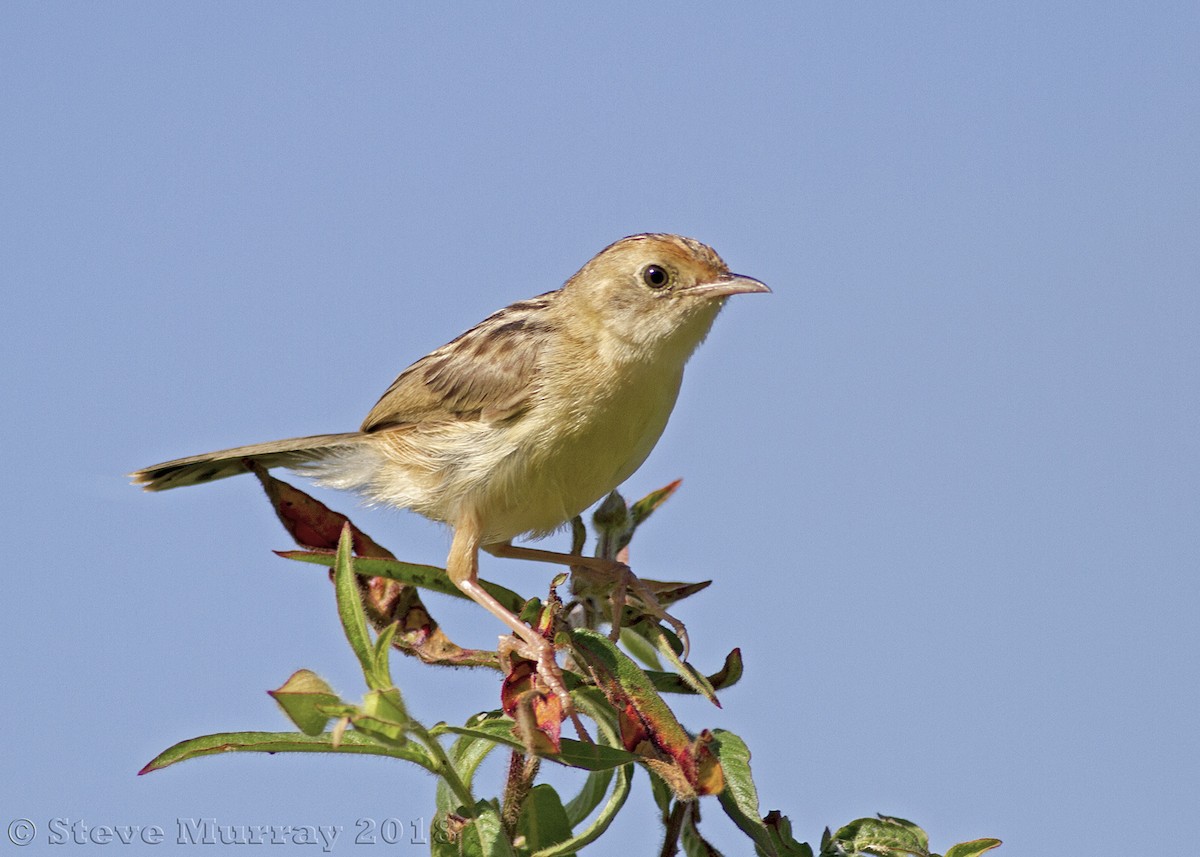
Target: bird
x,y
523,421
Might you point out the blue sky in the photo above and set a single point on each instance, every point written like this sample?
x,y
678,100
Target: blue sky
x,y
944,478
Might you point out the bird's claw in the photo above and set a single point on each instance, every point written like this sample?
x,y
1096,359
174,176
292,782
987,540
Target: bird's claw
x,y
648,602
549,675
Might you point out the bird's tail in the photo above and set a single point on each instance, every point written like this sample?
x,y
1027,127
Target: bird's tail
x,y
195,469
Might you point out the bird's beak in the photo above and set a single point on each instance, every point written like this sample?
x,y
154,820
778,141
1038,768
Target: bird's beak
x,y
726,285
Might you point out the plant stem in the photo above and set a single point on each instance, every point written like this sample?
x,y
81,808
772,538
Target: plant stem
x,y
444,768
674,827
521,772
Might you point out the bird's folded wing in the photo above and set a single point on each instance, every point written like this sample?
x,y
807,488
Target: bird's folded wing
x,y
489,373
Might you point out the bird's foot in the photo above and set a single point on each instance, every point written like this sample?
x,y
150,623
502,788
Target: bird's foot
x,y
622,587
547,678
648,604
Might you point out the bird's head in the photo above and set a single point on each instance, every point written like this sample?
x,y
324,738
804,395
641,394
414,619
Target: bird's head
x,y
656,292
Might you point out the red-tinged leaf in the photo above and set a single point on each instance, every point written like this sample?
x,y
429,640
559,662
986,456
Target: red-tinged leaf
x,y
309,521
645,507
517,681
314,525
537,710
633,730
538,713
710,776
628,687
647,725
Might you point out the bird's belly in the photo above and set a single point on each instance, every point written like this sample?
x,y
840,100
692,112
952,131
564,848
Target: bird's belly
x,y
566,461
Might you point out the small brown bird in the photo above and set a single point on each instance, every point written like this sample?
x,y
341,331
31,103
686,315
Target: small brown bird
x,y
526,419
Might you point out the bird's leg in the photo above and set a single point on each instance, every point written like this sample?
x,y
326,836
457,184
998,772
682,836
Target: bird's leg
x,y
507,550
624,577
463,567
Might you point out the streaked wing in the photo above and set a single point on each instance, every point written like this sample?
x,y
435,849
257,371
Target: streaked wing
x,y
487,373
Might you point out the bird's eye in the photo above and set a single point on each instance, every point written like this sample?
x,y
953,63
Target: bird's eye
x,y
655,277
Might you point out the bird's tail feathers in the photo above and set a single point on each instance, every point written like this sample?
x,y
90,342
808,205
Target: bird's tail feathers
x,y
196,469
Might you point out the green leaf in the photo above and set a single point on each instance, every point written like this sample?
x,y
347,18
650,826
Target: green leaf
x,y
972,848
668,592
350,611
384,731
543,819
591,702
608,812
429,577
695,845
484,834
383,648
729,674
780,829
739,798
635,642
475,832
575,754
690,675
622,675
531,611
383,716
890,837
644,508
302,698
920,835
282,742
386,705
595,787
466,754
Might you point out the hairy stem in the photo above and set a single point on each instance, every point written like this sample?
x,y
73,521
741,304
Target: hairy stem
x,y
522,770
679,813
444,767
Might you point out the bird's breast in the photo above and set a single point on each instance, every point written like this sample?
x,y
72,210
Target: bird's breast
x,y
584,435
